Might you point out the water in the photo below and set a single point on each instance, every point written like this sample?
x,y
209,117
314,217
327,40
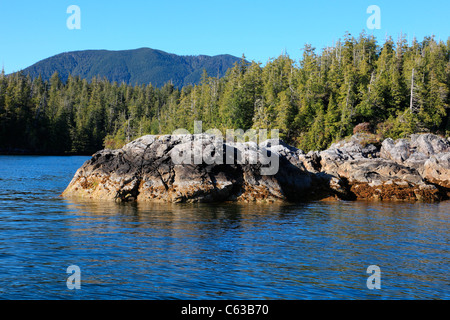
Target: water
x,y
318,250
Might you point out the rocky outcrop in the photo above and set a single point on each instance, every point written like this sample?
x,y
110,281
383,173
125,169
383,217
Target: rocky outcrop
x,y
200,168
370,175
146,170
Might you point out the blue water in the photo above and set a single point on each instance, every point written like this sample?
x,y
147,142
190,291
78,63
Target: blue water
x,y
318,250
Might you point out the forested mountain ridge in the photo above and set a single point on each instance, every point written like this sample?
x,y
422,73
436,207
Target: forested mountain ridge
x,y
139,66
397,88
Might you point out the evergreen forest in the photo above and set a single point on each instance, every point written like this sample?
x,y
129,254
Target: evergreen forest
x,y
396,88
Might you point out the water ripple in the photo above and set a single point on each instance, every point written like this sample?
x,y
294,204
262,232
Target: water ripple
x,y
134,251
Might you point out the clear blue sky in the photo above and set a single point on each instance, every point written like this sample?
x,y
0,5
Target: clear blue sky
x,y
34,30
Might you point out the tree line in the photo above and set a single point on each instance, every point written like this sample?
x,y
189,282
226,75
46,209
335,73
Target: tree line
x,y
398,88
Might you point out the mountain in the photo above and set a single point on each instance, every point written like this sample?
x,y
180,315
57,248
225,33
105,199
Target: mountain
x,y
139,66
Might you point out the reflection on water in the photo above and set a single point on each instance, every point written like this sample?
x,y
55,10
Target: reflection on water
x,y
317,250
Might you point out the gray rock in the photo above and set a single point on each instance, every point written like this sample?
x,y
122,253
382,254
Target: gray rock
x,y
397,151
357,146
429,144
417,147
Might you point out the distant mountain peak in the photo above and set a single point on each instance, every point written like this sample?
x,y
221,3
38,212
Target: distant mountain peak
x,y
137,66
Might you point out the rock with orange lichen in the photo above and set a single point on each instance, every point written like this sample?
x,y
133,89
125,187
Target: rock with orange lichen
x,y
407,169
379,179
356,168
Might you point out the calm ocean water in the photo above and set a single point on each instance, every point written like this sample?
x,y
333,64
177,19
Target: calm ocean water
x,y
318,250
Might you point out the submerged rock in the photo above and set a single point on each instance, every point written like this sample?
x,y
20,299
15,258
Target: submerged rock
x,y
199,168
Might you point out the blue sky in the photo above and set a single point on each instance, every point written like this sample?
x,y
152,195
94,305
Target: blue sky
x,y
34,30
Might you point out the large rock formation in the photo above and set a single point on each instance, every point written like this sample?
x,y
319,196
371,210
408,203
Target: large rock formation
x,y
167,169
146,170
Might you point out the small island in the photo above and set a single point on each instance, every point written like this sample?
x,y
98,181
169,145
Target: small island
x,y
360,167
